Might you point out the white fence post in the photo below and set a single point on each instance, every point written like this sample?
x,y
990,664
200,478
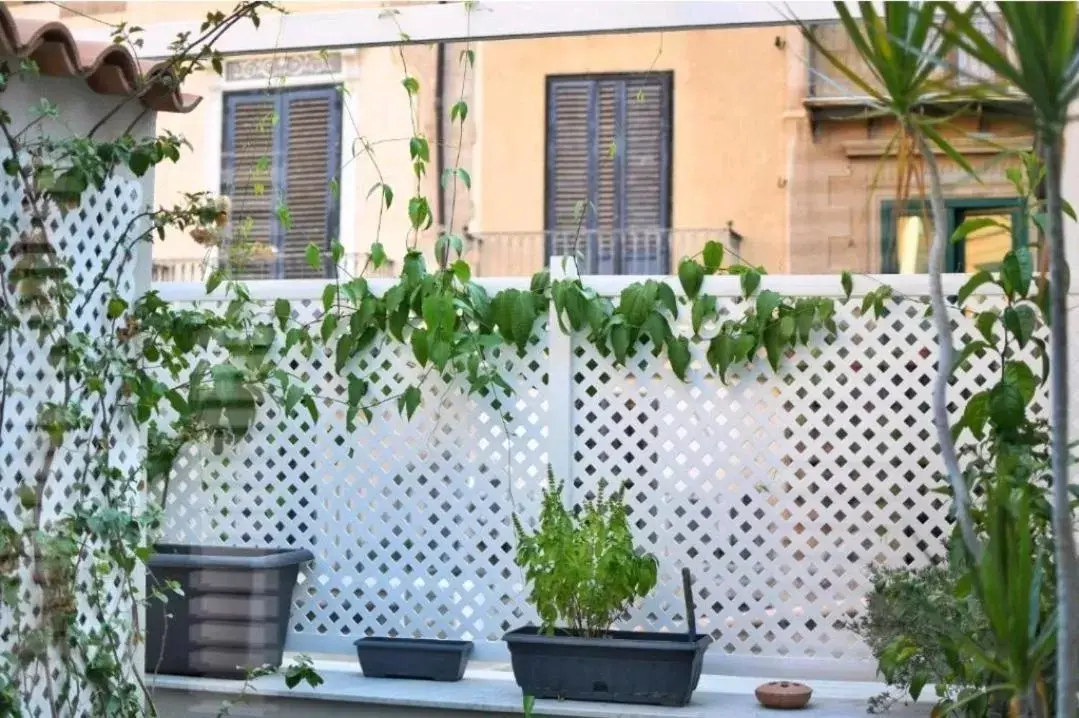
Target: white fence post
x,y
560,387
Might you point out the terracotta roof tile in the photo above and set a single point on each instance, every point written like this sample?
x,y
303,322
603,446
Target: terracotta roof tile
x,y
108,69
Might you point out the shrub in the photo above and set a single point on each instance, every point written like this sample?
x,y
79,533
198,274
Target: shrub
x,y
582,566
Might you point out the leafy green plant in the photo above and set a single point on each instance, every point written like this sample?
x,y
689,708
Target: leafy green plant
x,y
582,566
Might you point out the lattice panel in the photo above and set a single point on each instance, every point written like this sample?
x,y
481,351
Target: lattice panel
x,y
86,241
409,521
777,491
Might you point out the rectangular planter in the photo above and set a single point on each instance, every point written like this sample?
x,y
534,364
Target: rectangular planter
x,y
418,658
622,667
233,614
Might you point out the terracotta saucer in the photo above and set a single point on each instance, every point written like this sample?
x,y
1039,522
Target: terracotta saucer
x,y
783,694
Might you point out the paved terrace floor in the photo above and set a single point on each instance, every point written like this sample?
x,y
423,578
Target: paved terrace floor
x,y
487,690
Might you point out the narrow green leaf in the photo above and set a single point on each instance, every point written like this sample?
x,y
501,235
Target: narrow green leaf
x,y
329,296
847,281
419,343
975,224
720,352
313,255
704,307
976,280
679,355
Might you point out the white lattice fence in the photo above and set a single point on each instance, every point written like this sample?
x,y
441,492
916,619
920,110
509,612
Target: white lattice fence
x,y
778,491
86,241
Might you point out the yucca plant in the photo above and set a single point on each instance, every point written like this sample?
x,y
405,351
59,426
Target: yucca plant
x,y
903,50
1042,63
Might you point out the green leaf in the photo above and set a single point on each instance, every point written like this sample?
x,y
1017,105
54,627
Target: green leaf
x,y
459,111
750,280
313,255
658,330
636,302
462,271
975,224
1020,375
719,355
1043,353
1006,405
679,355
666,297
703,308
409,401
524,317
847,282
329,296
411,85
329,326
419,213
767,301
713,256
419,345
947,148
691,276
786,328
115,308
773,345
620,342
803,316
292,397
976,280
343,352
283,311
378,254
309,403
214,280
1021,321
1026,269
985,322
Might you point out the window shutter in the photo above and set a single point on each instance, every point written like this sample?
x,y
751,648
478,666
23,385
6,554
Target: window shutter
x,y
644,192
609,147
247,177
311,134
569,144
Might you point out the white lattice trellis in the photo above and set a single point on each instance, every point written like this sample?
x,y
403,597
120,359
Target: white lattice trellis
x,y
86,241
778,491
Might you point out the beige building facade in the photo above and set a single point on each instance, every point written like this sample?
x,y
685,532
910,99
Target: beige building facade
x,y
632,148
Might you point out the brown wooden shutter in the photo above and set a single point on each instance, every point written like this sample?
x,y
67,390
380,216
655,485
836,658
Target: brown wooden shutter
x,y
312,131
247,177
281,164
609,147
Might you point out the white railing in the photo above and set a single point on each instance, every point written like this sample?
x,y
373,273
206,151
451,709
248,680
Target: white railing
x,y
777,490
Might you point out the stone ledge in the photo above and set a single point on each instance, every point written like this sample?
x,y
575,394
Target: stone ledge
x,y
488,690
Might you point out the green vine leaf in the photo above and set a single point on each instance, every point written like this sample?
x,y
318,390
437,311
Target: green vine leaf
x,y
691,276
1006,405
720,352
636,302
847,282
657,330
524,311
620,341
767,302
750,280
419,343
704,307
667,298
1018,374
409,401
713,256
313,256
679,355
984,322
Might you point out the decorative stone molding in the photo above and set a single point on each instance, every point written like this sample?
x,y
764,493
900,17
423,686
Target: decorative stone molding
x,y
264,68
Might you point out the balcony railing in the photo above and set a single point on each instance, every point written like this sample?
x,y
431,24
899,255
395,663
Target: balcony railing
x,y
513,254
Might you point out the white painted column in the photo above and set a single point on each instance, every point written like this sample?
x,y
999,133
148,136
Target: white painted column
x,y
560,387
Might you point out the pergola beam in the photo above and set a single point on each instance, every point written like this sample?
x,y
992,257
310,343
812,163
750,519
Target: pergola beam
x,y
510,19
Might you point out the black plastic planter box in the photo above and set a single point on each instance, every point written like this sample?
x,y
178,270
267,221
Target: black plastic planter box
x,y
419,658
233,614
622,667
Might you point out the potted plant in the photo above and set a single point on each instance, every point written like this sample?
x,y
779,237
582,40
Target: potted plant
x,y
220,611
584,572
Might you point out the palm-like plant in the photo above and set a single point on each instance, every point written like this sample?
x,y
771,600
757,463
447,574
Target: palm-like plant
x,y
903,50
1043,64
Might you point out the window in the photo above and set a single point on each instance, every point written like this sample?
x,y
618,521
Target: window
x,y
907,235
281,163
608,171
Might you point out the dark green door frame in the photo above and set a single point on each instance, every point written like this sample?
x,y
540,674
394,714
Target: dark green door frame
x,y
957,207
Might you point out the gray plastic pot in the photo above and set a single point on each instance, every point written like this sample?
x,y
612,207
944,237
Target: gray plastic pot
x,y
233,614
417,658
622,667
